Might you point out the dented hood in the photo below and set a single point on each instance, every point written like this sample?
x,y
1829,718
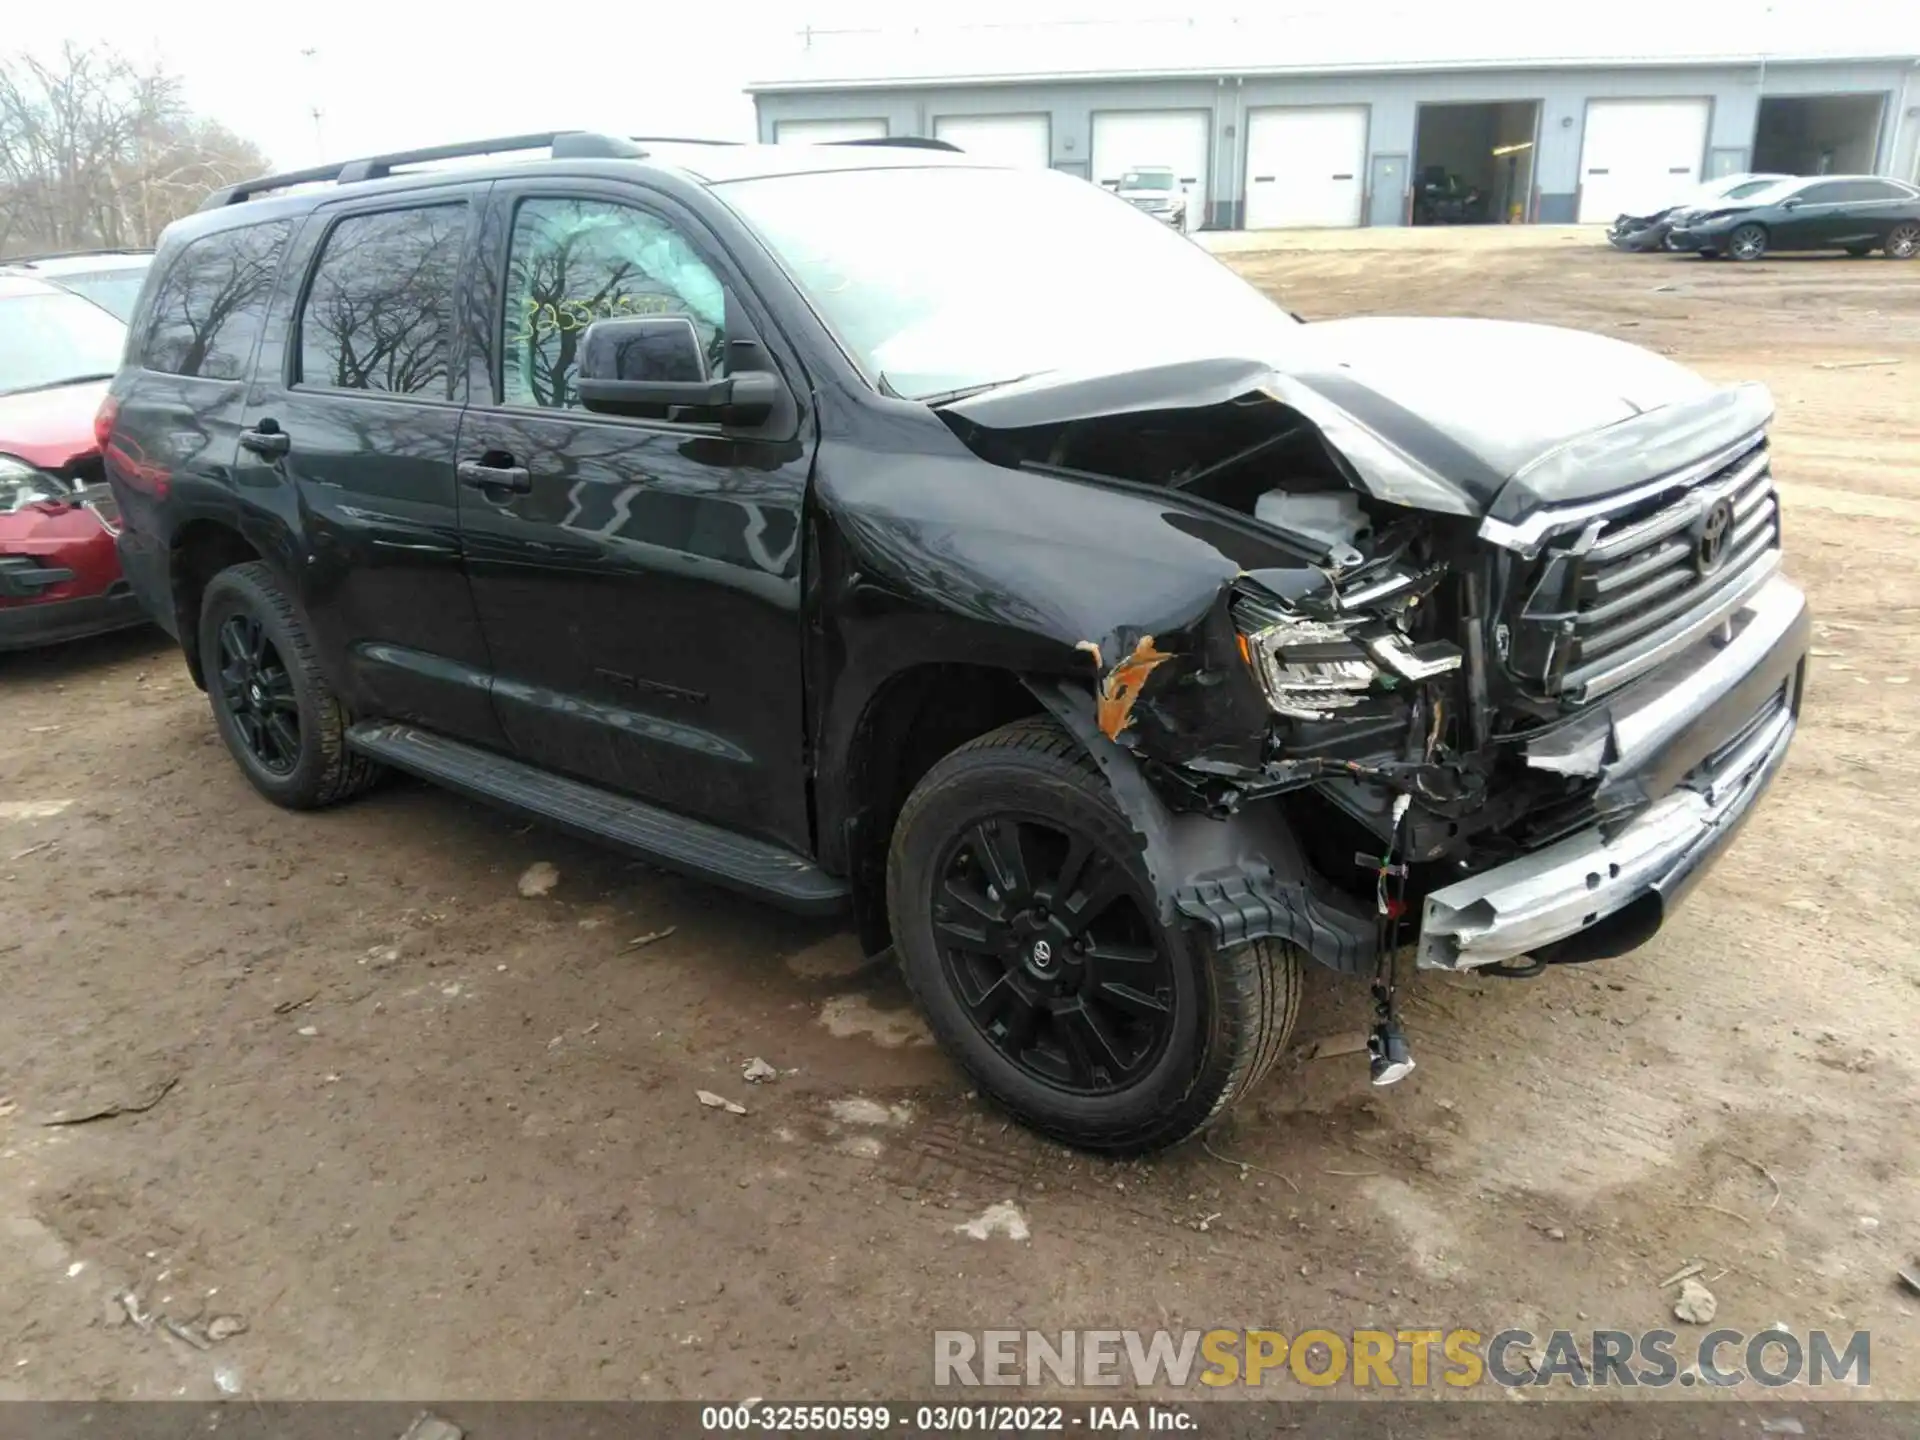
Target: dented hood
x,y
1465,417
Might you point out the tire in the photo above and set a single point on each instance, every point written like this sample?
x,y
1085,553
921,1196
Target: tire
x,y
1217,1019
279,717
1903,241
1747,242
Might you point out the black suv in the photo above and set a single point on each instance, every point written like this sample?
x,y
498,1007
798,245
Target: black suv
x,y
1107,640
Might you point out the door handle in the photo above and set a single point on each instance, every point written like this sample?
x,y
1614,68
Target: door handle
x,y
474,474
267,438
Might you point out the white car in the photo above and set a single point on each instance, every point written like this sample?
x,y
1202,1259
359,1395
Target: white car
x,y
1157,190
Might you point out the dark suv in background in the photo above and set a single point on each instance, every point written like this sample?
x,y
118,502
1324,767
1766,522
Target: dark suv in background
x,y
783,515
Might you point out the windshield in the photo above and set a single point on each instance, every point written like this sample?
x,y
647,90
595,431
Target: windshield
x,y
1746,188
946,279
52,338
1771,192
1147,180
112,290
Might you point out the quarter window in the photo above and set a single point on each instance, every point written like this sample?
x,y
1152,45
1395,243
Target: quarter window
x,y
379,313
209,309
574,261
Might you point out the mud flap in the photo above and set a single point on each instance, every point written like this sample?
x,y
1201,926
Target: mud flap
x,y
1238,879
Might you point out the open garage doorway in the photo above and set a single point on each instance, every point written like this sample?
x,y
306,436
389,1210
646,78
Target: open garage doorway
x,y
1818,134
1473,164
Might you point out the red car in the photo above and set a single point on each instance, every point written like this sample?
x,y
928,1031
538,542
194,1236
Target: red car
x,y
59,570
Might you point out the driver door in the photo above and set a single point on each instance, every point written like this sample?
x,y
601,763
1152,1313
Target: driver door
x,y
638,580
1808,225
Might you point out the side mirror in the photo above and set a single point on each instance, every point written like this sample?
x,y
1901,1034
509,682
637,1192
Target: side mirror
x,y
640,364
1792,202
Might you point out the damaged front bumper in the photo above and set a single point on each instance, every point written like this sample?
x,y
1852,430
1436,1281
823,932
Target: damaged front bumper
x,y
1714,724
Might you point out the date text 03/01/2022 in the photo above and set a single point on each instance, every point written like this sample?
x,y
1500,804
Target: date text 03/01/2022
x,y
762,1417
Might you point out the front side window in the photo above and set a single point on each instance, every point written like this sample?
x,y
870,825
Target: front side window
x,y
574,261
379,312
50,338
1828,194
211,304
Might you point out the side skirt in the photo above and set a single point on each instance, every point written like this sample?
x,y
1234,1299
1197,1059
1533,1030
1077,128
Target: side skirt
x,y
692,847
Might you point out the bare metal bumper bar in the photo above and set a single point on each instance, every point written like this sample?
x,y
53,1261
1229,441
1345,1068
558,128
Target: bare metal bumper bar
x,y
1529,903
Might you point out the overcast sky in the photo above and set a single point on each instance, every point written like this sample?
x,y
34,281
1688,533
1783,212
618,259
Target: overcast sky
x,y
389,75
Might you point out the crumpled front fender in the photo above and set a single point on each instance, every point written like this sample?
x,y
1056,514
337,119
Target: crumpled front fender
x,y
1239,878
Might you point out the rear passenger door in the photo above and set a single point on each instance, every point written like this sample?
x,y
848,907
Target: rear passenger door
x,y
354,414
638,579
1871,210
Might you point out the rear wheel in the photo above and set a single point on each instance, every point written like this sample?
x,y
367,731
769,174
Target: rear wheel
x,y
1749,242
280,719
1903,242
1027,929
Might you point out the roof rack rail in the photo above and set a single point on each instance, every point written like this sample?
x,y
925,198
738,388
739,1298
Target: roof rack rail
x,y
909,142
564,145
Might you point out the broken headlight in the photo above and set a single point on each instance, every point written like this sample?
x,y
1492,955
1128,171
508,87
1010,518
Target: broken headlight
x,y
1310,668
1313,667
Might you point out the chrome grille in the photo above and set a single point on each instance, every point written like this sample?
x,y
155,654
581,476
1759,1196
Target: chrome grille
x,y
1632,588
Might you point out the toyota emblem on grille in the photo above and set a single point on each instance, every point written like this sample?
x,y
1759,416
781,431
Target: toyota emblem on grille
x,y
1712,536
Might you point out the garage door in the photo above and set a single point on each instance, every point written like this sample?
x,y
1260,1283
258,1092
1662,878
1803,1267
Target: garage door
x,y
998,139
1306,166
826,132
1639,155
1126,140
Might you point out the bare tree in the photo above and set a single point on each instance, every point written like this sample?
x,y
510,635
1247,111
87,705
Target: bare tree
x,y
95,152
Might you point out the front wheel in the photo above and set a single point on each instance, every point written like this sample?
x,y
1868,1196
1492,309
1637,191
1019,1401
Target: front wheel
x,y
1749,242
1903,242
1027,929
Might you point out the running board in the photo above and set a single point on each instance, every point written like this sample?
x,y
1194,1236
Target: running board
x,y
692,847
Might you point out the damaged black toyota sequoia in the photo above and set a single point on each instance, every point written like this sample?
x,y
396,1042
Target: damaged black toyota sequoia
x,y
863,528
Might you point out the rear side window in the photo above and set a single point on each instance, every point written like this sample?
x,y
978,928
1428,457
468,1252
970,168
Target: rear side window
x,y
211,304
1866,190
379,313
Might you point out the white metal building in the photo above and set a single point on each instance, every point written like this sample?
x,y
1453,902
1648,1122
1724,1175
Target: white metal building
x,y
1267,131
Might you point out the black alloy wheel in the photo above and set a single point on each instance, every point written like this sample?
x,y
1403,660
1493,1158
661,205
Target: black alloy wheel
x,y
274,707
1903,241
1024,914
1045,940
258,691
1748,242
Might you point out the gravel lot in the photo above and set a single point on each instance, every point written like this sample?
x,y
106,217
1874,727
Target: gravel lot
x,y
429,1137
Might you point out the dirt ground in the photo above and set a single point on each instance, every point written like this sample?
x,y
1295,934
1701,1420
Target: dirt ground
x,y
430,1138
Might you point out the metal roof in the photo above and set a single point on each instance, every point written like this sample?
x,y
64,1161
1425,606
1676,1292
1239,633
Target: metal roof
x,y
1319,38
